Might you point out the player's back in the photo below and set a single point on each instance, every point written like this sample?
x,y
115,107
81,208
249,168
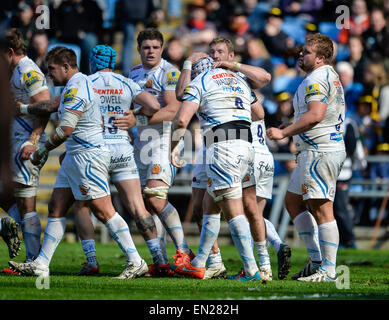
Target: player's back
x,y
78,95
116,94
27,80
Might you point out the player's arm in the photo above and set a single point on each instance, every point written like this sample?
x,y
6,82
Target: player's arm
x,y
314,115
168,112
41,108
180,123
149,103
39,125
68,122
185,76
257,112
256,77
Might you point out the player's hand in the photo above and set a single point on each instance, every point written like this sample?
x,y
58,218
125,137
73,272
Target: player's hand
x,y
35,158
176,159
196,56
17,108
125,122
26,149
61,157
275,134
223,64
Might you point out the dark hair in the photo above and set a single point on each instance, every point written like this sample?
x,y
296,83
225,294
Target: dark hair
x,y
13,39
323,44
149,34
61,55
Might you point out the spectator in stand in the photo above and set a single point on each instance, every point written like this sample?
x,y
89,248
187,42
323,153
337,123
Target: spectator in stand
x,y
258,56
256,14
23,21
38,49
357,59
238,31
307,9
359,21
174,53
311,28
376,38
276,41
196,32
352,90
79,22
129,14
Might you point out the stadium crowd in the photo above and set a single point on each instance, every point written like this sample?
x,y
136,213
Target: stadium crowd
x,y
267,34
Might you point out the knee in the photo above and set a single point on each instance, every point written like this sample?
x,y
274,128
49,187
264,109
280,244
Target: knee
x,y
155,205
294,205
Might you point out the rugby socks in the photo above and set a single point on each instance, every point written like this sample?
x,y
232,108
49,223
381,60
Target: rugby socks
x,y
55,229
161,234
14,213
307,229
172,223
241,236
31,228
120,232
263,255
154,246
89,247
272,235
209,232
214,258
329,241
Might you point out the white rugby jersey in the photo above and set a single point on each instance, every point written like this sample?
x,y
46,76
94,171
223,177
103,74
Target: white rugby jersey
x,y
322,84
163,77
258,131
78,95
116,93
222,96
27,80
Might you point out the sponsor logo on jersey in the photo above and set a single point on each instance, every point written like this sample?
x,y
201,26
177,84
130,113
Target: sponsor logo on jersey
x,y
232,89
336,136
172,78
149,84
108,91
70,95
30,78
156,169
223,75
84,190
111,109
312,90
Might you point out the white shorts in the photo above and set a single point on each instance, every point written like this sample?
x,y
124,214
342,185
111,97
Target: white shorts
x,y
200,178
122,164
86,174
316,173
155,165
230,164
264,172
23,171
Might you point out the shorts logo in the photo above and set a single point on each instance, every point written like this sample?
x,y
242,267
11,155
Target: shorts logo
x,y
30,78
312,90
304,189
331,192
156,169
84,190
209,182
335,136
172,78
246,178
149,84
70,95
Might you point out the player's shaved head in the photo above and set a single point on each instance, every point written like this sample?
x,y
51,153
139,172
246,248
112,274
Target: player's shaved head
x,y
61,55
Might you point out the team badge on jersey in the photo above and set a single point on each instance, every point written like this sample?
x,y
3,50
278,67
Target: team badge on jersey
x,y
30,78
172,78
156,169
70,95
312,90
149,83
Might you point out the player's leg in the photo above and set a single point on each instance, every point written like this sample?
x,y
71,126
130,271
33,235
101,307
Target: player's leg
x,y
9,227
60,202
253,211
131,196
85,230
156,199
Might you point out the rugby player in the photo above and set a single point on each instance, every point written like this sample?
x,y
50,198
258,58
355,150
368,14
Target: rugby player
x,y
317,134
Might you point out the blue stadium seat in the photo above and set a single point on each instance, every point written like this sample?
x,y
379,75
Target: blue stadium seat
x,y
329,29
294,30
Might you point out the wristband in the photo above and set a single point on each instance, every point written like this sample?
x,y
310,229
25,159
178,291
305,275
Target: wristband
x,y
141,121
24,108
187,65
26,143
237,66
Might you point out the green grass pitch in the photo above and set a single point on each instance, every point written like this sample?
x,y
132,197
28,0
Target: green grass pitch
x,y
369,279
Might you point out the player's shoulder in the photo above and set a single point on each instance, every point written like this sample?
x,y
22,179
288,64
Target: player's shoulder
x,y
135,70
26,65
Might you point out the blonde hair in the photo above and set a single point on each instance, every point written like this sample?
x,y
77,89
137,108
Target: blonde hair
x,y
227,42
323,44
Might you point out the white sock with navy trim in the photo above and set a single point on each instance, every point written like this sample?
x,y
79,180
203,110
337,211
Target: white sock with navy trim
x,y
329,242
31,228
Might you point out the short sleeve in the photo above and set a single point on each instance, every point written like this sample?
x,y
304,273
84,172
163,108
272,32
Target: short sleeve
x,y
316,90
171,79
33,82
193,91
77,96
134,88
